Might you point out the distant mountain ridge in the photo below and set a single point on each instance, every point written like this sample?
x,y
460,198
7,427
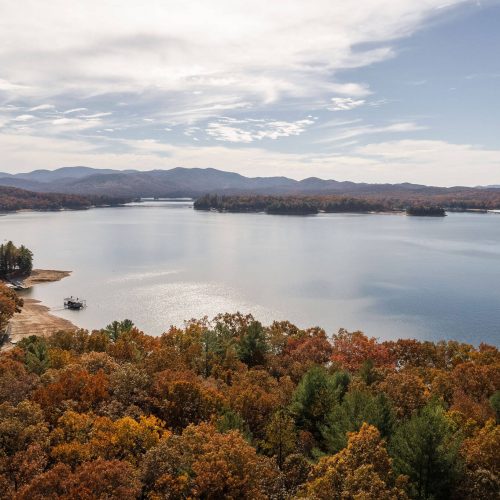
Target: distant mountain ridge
x,y
195,182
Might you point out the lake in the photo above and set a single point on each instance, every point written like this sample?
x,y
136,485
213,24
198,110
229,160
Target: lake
x,y
160,263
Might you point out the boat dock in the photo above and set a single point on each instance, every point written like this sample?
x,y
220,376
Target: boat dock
x,y
74,303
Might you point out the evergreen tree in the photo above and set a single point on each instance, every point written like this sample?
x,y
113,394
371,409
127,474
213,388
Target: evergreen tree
x,y
212,350
367,372
230,420
495,404
15,259
116,328
25,260
36,354
3,261
10,256
425,450
316,395
358,407
252,347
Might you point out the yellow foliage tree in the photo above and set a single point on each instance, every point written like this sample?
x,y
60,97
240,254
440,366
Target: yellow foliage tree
x,y
363,470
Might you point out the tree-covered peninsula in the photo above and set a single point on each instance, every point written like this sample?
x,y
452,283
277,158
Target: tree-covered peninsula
x,y
12,199
294,205
413,203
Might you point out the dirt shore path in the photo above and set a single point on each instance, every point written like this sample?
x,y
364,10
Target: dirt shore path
x,y
35,318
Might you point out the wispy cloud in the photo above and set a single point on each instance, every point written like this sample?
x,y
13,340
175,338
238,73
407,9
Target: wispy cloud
x,y
345,103
74,110
23,118
338,131
205,48
110,85
246,131
42,107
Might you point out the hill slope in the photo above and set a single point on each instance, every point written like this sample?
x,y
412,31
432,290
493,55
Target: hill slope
x,y
195,182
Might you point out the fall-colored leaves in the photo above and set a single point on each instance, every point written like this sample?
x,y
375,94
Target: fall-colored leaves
x,y
203,463
230,408
361,470
10,304
110,479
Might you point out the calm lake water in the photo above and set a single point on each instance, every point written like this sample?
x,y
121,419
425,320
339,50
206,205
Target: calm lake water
x,y
161,263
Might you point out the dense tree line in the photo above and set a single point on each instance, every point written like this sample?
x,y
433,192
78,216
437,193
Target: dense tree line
x,y
15,259
425,210
12,199
230,408
10,303
288,204
410,201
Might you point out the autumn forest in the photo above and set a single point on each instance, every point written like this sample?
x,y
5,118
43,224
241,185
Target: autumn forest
x,y
230,408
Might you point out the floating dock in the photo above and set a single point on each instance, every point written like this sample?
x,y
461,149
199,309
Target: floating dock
x,y
74,303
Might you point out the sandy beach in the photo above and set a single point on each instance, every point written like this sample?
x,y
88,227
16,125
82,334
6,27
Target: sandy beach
x,y
35,318
45,276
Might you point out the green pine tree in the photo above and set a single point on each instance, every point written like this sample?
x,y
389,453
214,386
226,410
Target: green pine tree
x,y
425,450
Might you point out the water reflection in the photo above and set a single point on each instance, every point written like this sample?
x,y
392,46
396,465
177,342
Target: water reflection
x,y
160,263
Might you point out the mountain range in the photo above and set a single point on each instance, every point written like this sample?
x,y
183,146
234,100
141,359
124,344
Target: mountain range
x,y
194,182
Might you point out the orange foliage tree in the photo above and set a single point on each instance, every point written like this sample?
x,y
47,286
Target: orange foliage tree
x,y
203,463
351,349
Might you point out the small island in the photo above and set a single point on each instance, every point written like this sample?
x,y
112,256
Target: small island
x,y
426,211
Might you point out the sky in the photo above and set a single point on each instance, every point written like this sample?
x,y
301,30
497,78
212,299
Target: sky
x,y
367,91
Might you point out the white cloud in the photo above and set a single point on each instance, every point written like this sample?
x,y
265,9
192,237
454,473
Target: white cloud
x,y
96,115
340,132
187,63
345,103
255,130
42,107
227,133
350,89
74,110
23,118
262,51
73,124
8,86
191,131
435,161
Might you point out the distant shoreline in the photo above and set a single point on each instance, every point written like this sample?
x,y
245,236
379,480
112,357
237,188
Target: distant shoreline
x,y
135,204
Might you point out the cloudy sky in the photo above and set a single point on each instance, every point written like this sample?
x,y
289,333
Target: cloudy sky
x,y
372,90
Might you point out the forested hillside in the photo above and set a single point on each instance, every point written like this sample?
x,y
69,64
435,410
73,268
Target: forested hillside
x,y
196,182
233,409
20,199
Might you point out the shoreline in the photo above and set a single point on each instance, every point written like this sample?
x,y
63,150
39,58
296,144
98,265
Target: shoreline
x,y
38,276
35,318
